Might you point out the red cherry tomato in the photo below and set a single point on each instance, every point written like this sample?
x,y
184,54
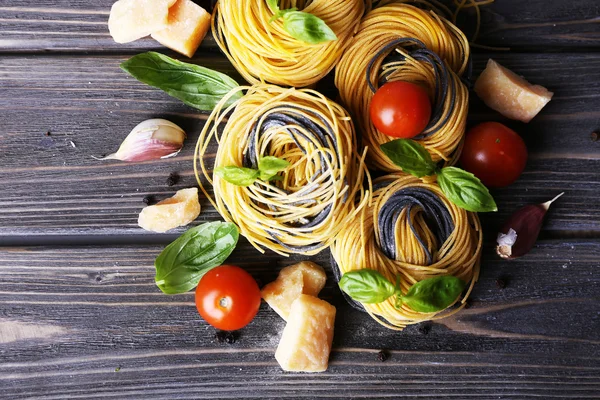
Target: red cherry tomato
x,y
400,109
227,297
494,153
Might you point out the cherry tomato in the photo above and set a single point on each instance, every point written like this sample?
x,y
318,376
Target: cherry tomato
x,y
400,109
494,153
227,297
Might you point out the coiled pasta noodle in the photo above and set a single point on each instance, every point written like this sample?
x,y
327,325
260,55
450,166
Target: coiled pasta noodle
x,y
320,192
399,41
263,51
411,229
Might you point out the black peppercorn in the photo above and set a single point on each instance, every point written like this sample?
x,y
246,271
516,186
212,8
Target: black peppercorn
x,y
425,329
501,283
382,355
229,337
173,179
595,135
149,200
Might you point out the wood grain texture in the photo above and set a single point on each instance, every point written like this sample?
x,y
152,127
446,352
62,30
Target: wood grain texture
x,y
535,25
88,322
65,25
53,186
81,25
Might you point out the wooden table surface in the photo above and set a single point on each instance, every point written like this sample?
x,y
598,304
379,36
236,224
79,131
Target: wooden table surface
x,y
81,318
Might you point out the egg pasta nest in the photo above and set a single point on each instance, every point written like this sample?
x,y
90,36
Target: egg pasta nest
x,y
402,42
412,230
318,194
262,51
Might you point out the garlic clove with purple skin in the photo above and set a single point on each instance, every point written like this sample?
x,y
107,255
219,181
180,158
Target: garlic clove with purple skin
x,y
520,232
150,140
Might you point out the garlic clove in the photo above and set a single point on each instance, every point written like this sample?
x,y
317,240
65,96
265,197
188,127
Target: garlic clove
x,y
150,140
521,230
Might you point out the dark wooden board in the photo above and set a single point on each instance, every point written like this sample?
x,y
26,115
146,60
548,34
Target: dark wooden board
x,y
82,318
53,188
66,25
88,322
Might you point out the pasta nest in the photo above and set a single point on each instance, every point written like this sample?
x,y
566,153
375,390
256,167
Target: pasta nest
x,y
413,231
316,196
262,51
402,42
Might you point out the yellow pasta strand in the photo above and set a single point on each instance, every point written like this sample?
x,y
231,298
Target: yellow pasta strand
x,y
262,51
321,190
359,245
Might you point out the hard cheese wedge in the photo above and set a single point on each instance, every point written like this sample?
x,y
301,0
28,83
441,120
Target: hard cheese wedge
x,y
179,210
130,20
306,341
188,24
510,94
303,278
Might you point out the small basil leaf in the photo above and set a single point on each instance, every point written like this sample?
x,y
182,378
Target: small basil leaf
x,y
465,190
181,264
433,294
307,28
196,86
277,14
367,286
411,156
273,178
269,167
273,5
237,175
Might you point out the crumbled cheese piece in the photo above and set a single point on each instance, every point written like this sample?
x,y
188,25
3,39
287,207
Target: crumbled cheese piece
x,y
130,20
306,341
303,278
188,24
509,94
179,210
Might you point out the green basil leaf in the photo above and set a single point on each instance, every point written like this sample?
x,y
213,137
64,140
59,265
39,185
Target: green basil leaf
x,y
182,263
270,166
465,190
239,176
273,178
273,5
433,294
307,28
411,156
196,86
367,286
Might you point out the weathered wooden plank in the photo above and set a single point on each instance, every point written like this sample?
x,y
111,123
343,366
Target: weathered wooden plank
x,y
61,25
539,24
65,25
51,187
88,322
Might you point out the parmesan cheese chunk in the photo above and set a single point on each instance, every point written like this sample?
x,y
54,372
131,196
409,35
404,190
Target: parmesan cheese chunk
x,y
188,24
306,341
179,210
510,94
130,20
303,278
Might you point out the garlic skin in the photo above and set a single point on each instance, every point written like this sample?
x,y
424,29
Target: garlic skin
x,y
506,242
150,140
521,230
